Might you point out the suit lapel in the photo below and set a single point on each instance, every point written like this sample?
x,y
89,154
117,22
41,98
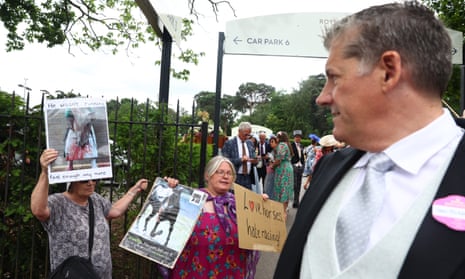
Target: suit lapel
x,y
326,176
437,251
236,148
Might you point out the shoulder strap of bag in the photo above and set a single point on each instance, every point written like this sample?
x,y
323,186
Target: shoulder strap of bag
x,y
91,227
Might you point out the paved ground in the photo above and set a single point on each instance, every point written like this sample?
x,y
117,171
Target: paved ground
x,y
268,260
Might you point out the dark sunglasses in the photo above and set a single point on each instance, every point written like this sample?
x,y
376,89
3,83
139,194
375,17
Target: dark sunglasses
x,y
86,181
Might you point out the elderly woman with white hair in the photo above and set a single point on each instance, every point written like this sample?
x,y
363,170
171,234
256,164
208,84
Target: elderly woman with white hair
x,y
213,248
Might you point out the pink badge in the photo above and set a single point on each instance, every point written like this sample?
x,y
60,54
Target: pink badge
x,y
450,211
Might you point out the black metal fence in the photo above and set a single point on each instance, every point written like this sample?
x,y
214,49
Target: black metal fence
x,y
148,141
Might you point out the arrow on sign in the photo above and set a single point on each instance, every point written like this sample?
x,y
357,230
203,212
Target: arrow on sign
x,y
236,40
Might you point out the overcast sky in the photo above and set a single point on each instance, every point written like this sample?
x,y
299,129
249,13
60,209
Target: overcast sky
x,y
107,75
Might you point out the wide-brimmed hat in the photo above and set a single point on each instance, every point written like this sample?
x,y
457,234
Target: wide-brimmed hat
x,y
314,137
328,141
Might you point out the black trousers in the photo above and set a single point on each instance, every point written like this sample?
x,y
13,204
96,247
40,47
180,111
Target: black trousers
x,y
262,174
244,180
298,171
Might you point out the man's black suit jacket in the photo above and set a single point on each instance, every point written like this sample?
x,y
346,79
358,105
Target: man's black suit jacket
x,y
296,158
436,252
268,148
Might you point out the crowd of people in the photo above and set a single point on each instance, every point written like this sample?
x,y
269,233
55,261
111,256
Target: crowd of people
x,y
388,66
65,215
280,164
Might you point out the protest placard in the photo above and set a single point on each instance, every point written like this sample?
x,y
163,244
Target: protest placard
x,y
261,224
78,129
165,223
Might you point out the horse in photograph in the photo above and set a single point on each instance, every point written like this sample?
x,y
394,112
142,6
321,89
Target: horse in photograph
x,y
169,212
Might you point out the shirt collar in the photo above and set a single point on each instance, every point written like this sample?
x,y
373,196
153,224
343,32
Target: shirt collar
x,y
414,150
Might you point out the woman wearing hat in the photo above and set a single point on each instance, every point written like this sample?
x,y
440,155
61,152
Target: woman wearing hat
x,y
328,144
310,154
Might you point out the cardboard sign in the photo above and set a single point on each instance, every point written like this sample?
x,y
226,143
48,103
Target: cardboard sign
x,y
261,224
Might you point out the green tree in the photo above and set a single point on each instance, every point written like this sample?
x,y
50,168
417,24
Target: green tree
x,y
253,94
205,101
20,138
144,143
452,13
228,113
295,111
311,117
108,25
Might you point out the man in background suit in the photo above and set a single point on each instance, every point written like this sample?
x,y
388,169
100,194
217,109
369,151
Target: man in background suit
x,y
298,163
241,152
387,69
263,148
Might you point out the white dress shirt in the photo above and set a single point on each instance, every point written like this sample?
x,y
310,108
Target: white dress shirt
x,y
239,149
417,158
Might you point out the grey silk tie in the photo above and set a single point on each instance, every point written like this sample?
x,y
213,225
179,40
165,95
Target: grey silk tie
x,y
356,218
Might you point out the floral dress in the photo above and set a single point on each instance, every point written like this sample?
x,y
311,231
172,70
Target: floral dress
x,y
283,174
212,252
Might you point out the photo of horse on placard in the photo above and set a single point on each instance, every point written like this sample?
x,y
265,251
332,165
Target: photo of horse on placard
x,y
165,222
168,212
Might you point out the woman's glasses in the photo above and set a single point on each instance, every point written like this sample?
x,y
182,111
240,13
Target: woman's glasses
x,y
223,173
87,181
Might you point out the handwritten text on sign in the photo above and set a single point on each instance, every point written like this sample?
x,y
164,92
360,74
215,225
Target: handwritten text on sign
x,y
261,224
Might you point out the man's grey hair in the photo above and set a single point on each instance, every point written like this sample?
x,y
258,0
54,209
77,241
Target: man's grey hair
x,y
244,126
409,28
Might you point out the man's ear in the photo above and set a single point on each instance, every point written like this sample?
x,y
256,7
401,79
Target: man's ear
x,y
391,63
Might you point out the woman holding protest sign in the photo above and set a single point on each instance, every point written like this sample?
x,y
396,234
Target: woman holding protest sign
x,y
65,217
213,247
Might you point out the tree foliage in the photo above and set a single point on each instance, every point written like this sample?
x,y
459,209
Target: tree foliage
x,y
452,13
76,22
205,102
110,25
294,111
253,94
144,142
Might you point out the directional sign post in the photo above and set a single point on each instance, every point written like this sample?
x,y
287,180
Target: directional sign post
x,y
457,58
296,35
457,46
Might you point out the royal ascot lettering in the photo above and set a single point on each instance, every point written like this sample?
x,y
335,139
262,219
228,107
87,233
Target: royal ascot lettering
x,y
327,21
